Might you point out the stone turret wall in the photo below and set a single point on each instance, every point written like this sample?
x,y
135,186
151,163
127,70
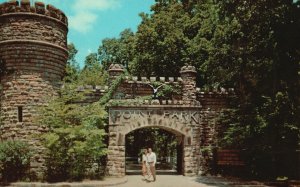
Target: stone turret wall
x,y
33,49
188,75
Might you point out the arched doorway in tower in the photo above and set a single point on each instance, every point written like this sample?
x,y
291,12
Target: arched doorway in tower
x,y
166,143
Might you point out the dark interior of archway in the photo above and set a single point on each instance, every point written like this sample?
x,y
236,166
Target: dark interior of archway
x,y
166,145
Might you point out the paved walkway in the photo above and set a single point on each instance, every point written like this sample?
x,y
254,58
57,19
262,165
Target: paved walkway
x,y
108,181
128,181
182,181
162,181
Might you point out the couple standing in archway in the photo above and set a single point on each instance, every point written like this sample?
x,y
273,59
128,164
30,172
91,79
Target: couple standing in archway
x,y
148,164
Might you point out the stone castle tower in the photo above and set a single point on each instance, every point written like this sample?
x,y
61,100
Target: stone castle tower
x,y
33,50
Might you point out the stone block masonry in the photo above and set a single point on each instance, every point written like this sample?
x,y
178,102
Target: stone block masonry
x,y
33,49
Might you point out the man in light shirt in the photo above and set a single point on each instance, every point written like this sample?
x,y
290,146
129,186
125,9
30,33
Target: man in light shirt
x,y
151,159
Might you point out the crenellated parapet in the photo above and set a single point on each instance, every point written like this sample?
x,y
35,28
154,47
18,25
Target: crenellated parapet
x,y
216,98
97,88
133,88
39,8
148,80
214,91
147,103
39,24
92,93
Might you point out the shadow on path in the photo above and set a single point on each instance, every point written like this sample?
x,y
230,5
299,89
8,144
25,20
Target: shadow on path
x,y
227,182
158,172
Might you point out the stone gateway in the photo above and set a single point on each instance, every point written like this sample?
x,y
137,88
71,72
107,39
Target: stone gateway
x,y
190,116
180,122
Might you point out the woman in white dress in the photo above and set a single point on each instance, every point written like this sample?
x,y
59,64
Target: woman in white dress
x,y
145,167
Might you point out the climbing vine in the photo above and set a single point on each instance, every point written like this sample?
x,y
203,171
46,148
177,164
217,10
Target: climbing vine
x,y
114,86
168,91
136,101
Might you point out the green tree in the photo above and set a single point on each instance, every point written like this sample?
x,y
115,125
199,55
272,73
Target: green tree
x,y
72,68
255,49
117,50
161,42
75,141
93,72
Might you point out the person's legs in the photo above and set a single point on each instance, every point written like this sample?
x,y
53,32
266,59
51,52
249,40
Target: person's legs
x,y
153,172
144,170
148,171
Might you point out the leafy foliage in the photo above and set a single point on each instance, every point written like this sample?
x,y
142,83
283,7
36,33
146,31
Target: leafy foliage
x,y
14,160
160,41
169,91
262,61
72,68
75,140
113,87
117,50
93,72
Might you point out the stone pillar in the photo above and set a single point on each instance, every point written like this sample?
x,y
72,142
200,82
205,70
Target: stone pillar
x,y
33,50
188,157
114,71
116,161
188,75
116,153
191,154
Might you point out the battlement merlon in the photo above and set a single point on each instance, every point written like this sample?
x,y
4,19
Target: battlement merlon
x,y
39,8
116,70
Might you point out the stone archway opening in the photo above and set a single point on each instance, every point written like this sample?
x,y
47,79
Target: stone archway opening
x,y
184,121
166,143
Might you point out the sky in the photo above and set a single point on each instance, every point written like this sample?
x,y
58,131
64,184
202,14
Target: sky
x,y
90,21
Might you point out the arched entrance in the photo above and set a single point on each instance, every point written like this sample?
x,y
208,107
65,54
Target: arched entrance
x,y
166,143
185,121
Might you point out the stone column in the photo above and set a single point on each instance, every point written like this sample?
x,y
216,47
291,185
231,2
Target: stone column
x,y
114,71
191,153
116,161
116,152
188,75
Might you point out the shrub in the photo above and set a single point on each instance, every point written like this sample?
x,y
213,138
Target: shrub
x,y
75,141
14,160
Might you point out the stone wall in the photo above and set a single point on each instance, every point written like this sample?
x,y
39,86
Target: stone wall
x,y
33,48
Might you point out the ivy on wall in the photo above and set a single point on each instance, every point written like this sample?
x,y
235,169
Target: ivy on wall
x,y
113,87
